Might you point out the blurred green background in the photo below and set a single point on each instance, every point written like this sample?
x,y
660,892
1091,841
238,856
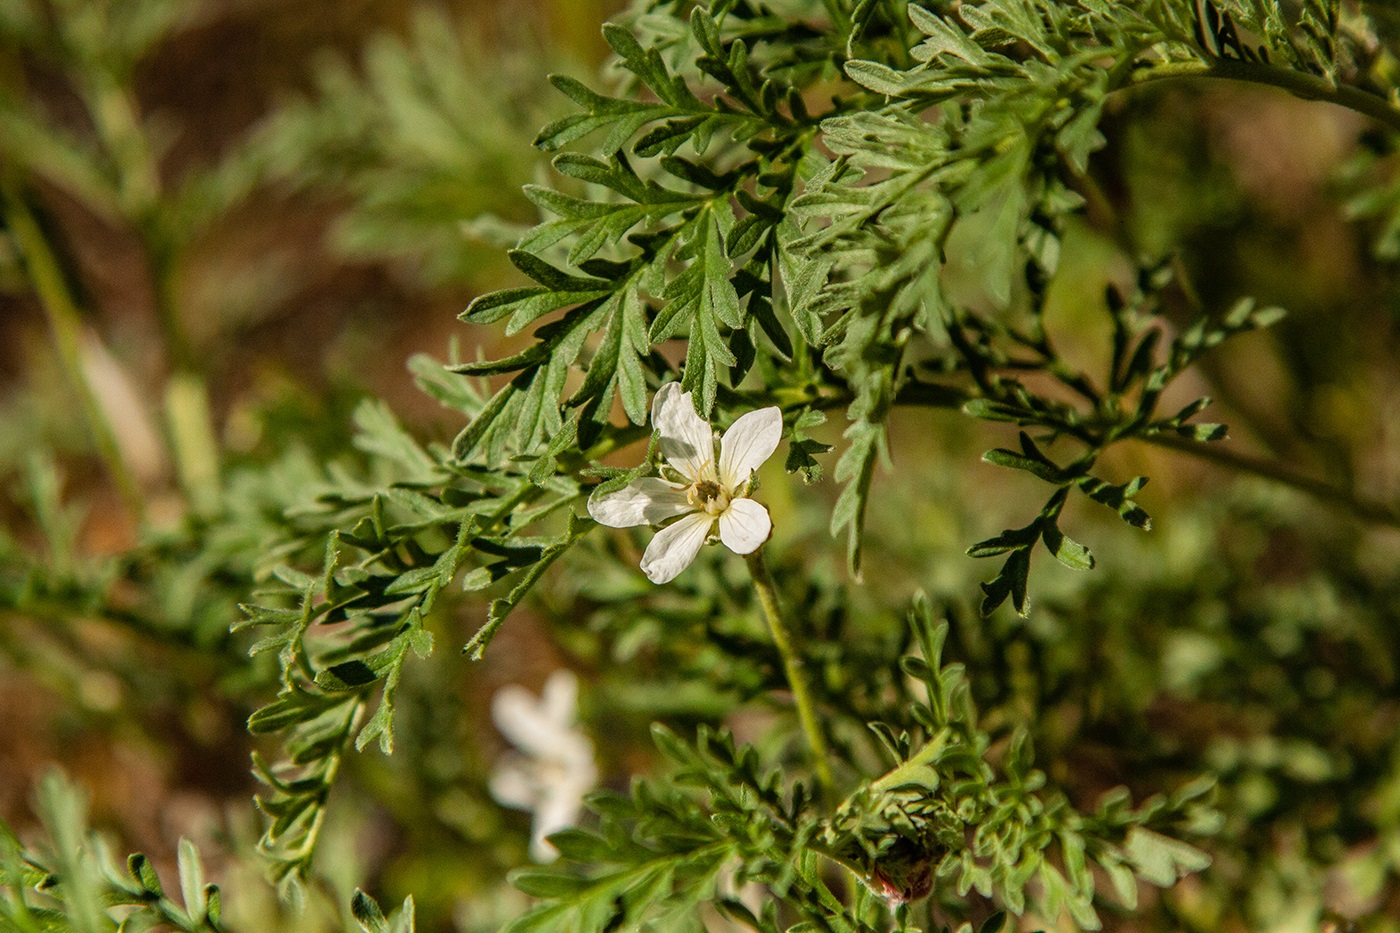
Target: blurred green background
x,y
254,214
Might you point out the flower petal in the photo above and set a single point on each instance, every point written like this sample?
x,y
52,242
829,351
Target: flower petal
x,y
744,526
675,546
559,698
649,500
747,444
687,442
514,783
521,718
558,809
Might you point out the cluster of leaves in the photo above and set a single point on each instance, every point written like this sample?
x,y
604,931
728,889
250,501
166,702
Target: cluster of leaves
x,y
1289,660
838,263
1126,408
74,886
342,637
945,818
723,819
782,200
417,142
77,887
663,254
710,213
1003,167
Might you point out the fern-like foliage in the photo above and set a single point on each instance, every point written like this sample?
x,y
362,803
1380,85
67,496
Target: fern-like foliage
x,y
845,209
943,819
777,200
77,887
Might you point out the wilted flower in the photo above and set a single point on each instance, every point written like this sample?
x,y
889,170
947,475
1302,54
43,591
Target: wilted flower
x,y
703,491
554,768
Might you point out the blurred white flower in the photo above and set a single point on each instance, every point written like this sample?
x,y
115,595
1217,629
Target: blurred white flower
x,y
138,440
709,490
554,767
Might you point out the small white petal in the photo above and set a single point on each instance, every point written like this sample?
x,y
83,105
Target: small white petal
x,y
520,718
747,444
558,810
649,500
744,526
559,698
557,768
687,442
675,546
513,784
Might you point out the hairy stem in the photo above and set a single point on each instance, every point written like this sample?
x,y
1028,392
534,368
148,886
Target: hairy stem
x,y
840,19
1301,84
793,668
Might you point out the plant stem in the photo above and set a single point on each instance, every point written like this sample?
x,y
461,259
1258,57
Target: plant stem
x,y
65,324
793,668
117,118
839,18
1368,510
1301,84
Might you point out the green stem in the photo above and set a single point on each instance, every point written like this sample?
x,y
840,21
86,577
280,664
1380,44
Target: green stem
x,y
1301,84
839,20
191,429
116,116
1368,510
793,668
65,324
307,847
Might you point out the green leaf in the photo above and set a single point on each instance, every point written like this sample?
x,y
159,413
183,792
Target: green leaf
x,y
1011,581
988,410
192,890
702,299
1119,498
877,77
547,883
1161,860
1067,551
803,450
367,913
856,469
144,874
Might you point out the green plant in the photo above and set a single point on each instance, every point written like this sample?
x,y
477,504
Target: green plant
x,y
887,231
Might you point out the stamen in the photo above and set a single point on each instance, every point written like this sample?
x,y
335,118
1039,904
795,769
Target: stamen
x,y
710,496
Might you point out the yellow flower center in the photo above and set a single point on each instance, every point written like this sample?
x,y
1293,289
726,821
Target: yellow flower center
x,y
710,496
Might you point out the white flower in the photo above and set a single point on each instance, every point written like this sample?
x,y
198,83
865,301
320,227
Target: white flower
x,y
555,767
710,491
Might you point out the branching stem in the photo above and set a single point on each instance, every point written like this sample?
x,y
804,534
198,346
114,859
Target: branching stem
x,y
793,668
1368,510
1301,84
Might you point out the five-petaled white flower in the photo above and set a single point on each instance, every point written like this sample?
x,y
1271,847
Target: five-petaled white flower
x,y
555,767
705,490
